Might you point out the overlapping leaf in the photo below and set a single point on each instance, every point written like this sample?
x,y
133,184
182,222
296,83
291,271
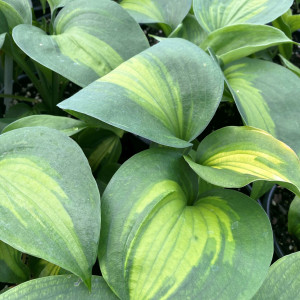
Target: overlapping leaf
x,y
170,13
215,14
283,279
88,41
294,217
237,41
50,206
167,94
267,97
66,287
12,268
236,156
159,241
66,125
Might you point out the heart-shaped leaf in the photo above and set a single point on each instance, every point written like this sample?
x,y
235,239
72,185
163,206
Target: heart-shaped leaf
x,y
88,41
66,125
50,205
167,94
170,13
283,279
66,287
237,41
160,241
216,14
12,269
236,156
262,102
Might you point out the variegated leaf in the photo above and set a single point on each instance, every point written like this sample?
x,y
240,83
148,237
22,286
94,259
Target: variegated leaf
x,y
237,41
88,40
160,241
215,14
263,101
167,94
236,156
50,204
169,13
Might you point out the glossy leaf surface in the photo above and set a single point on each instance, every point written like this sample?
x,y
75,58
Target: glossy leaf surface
x,y
215,14
283,280
160,241
263,102
167,94
234,42
236,156
50,206
88,40
66,287
12,268
66,125
170,13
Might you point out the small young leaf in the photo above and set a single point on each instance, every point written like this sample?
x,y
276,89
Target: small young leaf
x,y
294,217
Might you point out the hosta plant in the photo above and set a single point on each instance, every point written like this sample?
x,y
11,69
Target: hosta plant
x,y
172,221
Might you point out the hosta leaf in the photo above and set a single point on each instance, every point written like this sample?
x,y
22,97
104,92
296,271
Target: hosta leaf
x,y
66,287
55,4
234,42
159,241
290,66
262,102
50,205
12,269
283,279
16,12
215,14
88,40
167,94
66,125
170,13
190,30
294,217
236,156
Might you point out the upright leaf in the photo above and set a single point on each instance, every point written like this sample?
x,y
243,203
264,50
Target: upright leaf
x,y
283,279
167,94
50,206
215,14
170,13
237,41
12,269
88,41
267,97
66,287
160,241
236,156
294,217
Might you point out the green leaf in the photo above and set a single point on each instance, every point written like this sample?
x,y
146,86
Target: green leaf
x,y
66,125
283,280
262,102
170,13
88,41
259,188
290,66
190,30
12,269
66,287
294,217
16,12
235,156
215,14
55,4
50,206
167,94
234,42
160,241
